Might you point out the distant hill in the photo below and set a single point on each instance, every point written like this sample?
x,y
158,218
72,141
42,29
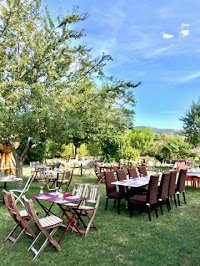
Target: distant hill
x,y
165,130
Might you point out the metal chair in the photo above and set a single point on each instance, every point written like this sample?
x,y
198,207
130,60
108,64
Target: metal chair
x,y
22,191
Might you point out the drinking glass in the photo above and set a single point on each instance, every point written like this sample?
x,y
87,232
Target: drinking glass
x,y
41,190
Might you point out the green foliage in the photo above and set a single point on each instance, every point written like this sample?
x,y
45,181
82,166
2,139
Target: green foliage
x,y
93,149
36,61
191,124
141,139
67,151
53,149
51,89
175,148
130,154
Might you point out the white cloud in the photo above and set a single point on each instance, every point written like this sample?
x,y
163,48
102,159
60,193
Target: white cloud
x,y
159,51
186,78
183,25
184,33
167,35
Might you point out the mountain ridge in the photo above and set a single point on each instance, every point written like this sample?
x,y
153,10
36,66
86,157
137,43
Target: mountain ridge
x,y
168,131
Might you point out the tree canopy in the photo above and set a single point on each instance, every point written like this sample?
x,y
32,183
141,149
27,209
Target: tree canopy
x,y
50,88
191,124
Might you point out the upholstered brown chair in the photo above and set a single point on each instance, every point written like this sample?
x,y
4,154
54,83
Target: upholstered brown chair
x,y
132,172
147,200
180,188
163,190
172,187
142,170
111,190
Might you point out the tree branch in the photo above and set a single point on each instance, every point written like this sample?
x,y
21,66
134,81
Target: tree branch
x,y
27,147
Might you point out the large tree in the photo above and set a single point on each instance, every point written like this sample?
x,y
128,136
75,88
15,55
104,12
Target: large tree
x,y
49,87
95,113
191,124
36,62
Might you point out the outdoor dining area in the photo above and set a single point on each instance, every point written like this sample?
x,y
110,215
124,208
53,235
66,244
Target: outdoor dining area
x,y
68,206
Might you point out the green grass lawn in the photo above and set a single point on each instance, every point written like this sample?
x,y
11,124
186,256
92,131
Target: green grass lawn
x,y
172,239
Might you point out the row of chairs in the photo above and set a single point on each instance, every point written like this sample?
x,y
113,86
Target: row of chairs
x,y
28,216
111,190
152,195
131,171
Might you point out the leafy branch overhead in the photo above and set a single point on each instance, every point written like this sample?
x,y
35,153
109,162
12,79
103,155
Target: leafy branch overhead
x,y
52,88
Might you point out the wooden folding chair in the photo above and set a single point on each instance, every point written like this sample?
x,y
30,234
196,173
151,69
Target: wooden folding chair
x,y
89,209
21,218
66,180
43,224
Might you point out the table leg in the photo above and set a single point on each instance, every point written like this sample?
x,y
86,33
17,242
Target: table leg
x,y
70,221
81,169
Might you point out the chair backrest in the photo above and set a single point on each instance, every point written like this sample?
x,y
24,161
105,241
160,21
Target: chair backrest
x,y
109,177
93,194
142,170
28,204
68,176
9,204
152,190
172,182
132,172
181,165
28,183
121,174
34,164
79,190
164,186
57,165
181,180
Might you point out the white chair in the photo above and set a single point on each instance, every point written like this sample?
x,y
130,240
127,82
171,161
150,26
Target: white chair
x,y
89,208
22,191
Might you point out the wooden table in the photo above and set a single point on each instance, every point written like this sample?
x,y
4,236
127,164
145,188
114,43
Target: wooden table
x,y
54,198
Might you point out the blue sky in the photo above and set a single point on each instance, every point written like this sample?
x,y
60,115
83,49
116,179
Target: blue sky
x,y
155,42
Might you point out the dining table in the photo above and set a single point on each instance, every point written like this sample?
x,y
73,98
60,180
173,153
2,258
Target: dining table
x,y
8,179
194,175
141,181
61,200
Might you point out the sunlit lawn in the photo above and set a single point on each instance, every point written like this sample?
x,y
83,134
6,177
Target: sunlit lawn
x,y
172,239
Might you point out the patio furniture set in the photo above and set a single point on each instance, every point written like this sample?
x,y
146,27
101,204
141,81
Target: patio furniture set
x,y
145,190
137,188
76,209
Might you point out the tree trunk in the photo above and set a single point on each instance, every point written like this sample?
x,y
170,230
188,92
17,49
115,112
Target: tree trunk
x,y
19,159
76,150
19,168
